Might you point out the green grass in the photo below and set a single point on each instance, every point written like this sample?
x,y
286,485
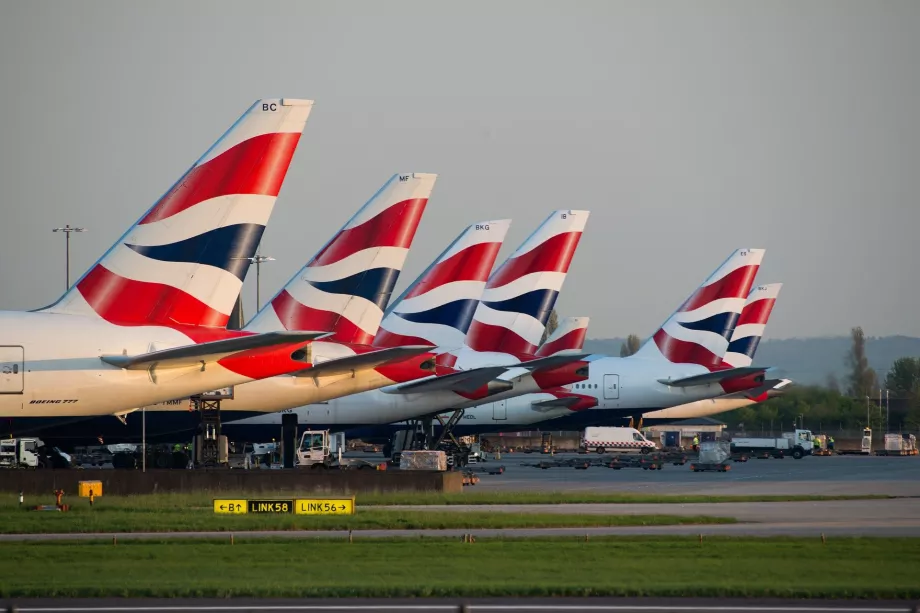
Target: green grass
x,y
203,499
622,566
125,515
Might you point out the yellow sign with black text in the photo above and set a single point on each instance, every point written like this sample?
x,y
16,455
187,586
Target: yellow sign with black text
x,y
324,506
231,507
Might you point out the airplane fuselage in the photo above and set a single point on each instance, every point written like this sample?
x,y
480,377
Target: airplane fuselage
x,y
51,366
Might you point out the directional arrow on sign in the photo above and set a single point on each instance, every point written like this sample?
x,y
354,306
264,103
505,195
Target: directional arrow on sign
x,y
222,507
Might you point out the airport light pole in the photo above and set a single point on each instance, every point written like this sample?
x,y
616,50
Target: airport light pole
x,y
258,260
67,230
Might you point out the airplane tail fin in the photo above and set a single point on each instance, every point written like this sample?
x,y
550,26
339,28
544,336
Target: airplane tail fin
x,y
438,307
570,335
751,325
183,262
521,294
698,332
345,287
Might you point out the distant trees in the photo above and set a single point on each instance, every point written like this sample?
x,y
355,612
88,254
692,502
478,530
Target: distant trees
x,y
832,383
862,380
551,324
630,345
904,377
903,380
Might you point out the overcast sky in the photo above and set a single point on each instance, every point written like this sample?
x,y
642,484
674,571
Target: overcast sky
x,y
688,129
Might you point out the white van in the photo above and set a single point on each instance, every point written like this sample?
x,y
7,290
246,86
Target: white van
x,y
622,440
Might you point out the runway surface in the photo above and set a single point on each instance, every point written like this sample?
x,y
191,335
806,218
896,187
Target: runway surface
x,y
569,605
834,475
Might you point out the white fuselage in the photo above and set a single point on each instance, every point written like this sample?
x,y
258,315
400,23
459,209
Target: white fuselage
x,y
51,367
514,407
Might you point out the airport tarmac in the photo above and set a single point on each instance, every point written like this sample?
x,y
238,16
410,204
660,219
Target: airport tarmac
x,y
444,605
827,476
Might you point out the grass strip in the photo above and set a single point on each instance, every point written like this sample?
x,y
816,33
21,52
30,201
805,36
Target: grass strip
x,y
111,520
622,566
203,499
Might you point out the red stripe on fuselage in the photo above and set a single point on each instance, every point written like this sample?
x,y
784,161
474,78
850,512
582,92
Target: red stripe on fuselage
x,y
472,264
393,227
255,166
736,284
553,255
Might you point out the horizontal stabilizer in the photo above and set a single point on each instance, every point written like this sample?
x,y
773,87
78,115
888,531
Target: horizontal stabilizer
x,y
713,377
463,381
362,361
554,403
553,361
193,355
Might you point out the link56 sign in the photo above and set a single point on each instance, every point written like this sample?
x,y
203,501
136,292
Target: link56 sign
x,y
300,506
338,506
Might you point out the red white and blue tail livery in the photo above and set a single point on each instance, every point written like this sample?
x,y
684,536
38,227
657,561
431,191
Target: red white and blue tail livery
x,y
147,322
568,336
347,284
183,262
699,331
520,295
437,309
751,325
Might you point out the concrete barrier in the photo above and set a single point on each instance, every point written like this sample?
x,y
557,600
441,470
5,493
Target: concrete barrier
x,y
123,482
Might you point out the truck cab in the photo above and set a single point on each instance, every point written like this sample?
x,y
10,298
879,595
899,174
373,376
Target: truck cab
x,y
20,453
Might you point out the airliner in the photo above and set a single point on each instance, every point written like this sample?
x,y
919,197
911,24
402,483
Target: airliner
x,y
442,305
147,322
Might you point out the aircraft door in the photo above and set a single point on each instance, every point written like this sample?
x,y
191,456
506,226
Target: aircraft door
x,y
611,386
499,411
12,375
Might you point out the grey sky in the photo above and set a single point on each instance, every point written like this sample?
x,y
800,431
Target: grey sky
x,y
687,128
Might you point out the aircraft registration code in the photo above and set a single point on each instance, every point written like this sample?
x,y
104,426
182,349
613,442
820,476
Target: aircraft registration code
x,y
324,506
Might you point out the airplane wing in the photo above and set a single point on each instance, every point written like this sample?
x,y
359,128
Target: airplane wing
x,y
713,377
553,361
361,361
462,381
202,353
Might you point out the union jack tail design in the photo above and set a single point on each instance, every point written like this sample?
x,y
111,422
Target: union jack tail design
x,y
183,263
438,307
698,332
751,325
520,295
346,286
569,335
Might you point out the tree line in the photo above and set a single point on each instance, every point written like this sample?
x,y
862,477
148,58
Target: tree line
x,y
831,408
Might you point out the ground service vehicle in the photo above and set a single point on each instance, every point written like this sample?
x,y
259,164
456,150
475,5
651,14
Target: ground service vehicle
x,y
30,453
316,451
799,444
620,440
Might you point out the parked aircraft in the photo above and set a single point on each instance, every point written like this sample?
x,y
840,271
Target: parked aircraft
x,y
147,321
444,303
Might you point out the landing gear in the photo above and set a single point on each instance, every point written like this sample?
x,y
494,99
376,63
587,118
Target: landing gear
x,y
209,431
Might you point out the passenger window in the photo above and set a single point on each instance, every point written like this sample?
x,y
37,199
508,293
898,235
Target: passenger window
x,y
15,369
637,437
